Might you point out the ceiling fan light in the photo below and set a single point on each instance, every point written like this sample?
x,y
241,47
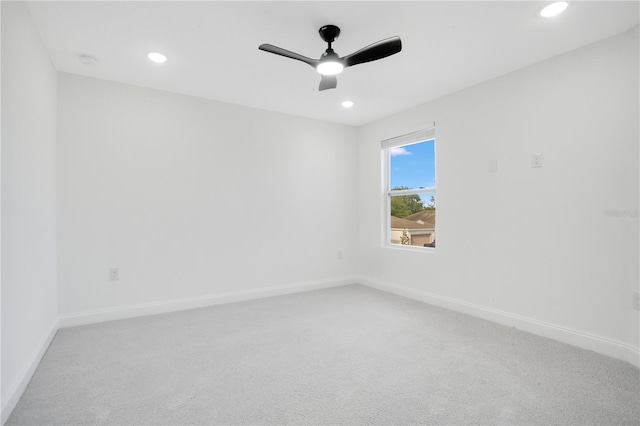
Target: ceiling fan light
x,y
330,67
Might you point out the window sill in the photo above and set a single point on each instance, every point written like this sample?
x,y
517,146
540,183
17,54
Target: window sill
x,y
409,248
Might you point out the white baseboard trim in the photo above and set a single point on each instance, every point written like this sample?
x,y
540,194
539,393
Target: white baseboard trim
x,y
18,387
562,334
124,312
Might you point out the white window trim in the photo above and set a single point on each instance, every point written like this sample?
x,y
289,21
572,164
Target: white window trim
x,y
427,133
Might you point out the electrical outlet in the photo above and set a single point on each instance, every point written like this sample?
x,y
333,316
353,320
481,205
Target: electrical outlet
x,y
114,274
636,300
536,160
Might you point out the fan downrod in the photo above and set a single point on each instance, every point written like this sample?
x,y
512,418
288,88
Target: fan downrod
x,y
329,33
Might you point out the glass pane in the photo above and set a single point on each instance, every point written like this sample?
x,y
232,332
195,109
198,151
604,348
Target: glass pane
x,y
412,220
413,166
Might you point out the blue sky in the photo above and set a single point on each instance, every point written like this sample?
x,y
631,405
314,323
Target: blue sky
x,y
413,165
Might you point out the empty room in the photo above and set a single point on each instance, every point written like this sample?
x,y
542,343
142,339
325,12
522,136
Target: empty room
x,y
320,212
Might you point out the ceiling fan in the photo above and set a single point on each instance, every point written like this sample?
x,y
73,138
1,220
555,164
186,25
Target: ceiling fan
x,y
330,64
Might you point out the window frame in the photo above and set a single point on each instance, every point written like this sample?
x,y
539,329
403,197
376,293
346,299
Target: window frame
x,y
424,135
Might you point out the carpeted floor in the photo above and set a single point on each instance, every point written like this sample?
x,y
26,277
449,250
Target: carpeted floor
x,y
347,355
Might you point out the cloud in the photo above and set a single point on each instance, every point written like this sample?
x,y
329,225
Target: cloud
x,y
398,151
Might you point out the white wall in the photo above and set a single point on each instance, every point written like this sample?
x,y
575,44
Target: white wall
x,y
29,316
528,247
192,198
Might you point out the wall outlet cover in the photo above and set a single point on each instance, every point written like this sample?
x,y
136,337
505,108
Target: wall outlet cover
x,y
536,160
114,274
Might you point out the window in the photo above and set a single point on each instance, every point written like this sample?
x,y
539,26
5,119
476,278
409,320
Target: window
x,y
410,189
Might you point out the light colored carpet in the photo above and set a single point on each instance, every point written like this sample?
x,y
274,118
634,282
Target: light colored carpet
x,y
347,355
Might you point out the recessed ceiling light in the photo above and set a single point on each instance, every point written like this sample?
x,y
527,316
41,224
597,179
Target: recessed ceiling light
x,y
554,9
87,60
156,57
347,104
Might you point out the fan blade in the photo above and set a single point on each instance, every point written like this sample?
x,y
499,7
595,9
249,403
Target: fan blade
x,y
288,54
328,82
378,50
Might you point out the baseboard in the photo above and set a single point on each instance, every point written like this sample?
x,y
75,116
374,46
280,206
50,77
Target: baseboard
x,y
577,338
20,384
634,356
124,312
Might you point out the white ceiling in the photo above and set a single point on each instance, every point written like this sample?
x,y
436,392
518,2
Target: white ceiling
x,y
213,47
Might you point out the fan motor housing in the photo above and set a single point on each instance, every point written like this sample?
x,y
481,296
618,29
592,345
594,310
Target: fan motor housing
x,y
329,33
